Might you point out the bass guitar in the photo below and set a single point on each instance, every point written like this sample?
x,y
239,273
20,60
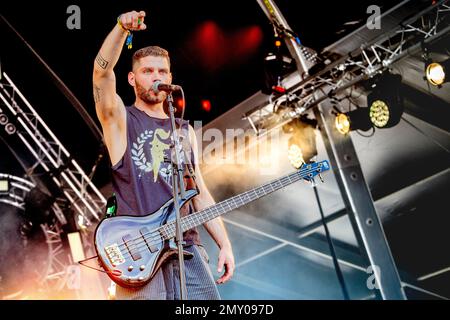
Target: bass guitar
x,y
132,248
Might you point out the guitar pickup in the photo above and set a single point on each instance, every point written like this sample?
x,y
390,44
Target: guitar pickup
x,y
132,247
114,255
145,232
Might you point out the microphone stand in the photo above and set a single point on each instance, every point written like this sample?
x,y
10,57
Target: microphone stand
x,y
177,183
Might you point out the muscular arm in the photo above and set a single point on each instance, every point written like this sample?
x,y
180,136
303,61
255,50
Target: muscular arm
x,y
215,227
109,107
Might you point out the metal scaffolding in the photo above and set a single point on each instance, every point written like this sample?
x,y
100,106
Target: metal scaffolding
x,y
52,156
53,277
326,81
17,191
359,64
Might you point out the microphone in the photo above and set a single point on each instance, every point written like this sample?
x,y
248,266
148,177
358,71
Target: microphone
x,y
158,86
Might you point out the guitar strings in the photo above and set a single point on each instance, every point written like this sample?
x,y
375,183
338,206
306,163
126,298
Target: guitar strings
x,y
156,234
202,213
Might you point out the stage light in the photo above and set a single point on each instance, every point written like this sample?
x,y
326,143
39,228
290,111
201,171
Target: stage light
x,y
379,113
385,102
4,186
10,129
270,57
82,224
3,119
302,143
206,105
295,155
342,123
354,120
112,291
437,72
279,89
76,246
276,66
180,103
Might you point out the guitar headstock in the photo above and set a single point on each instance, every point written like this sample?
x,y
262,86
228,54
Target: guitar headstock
x,y
309,171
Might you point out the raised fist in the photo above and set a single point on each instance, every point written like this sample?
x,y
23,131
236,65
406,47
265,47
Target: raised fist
x,y
133,20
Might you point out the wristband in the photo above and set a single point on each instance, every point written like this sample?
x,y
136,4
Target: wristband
x,y
129,36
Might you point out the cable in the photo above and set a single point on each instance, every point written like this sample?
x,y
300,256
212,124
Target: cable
x,y
366,136
332,251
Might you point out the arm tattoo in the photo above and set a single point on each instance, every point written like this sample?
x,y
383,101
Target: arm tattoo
x,y
96,94
101,61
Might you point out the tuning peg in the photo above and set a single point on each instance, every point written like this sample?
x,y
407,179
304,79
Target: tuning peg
x,y
320,177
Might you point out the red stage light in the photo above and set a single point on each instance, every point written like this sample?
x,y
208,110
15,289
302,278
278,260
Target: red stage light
x,y
245,43
208,45
214,48
180,103
279,89
206,105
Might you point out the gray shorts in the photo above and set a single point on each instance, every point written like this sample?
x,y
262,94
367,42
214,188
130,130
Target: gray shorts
x,y
165,285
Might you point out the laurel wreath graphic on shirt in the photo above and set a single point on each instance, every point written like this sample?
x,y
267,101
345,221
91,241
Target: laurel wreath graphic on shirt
x,y
138,154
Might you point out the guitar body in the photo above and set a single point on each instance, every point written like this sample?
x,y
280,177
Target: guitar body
x,y
131,249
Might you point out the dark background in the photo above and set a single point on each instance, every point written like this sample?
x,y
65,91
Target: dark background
x,y
224,68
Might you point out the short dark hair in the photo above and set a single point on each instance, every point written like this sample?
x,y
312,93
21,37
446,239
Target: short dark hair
x,y
154,51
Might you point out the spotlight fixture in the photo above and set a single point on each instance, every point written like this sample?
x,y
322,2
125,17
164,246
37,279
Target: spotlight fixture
x,y
3,119
385,102
437,73
295,155
276,66
4,186
81,222
379,113
342,123
302,143
10,129
357,119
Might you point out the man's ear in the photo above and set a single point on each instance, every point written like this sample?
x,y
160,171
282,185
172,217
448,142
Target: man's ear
x,y
170,77
131,79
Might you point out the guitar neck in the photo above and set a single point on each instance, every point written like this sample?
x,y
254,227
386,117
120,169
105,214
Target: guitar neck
x,y
198,218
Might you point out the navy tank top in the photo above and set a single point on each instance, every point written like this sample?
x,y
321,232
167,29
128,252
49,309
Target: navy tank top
x,y
142,179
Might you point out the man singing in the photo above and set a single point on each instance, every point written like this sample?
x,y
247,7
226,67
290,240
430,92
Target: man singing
x,y
143,183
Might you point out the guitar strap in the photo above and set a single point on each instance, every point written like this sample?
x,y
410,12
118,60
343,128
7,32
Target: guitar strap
x,y
190,183
189,178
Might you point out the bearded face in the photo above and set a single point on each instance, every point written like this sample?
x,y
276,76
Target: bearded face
x,y
145,72
147,95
